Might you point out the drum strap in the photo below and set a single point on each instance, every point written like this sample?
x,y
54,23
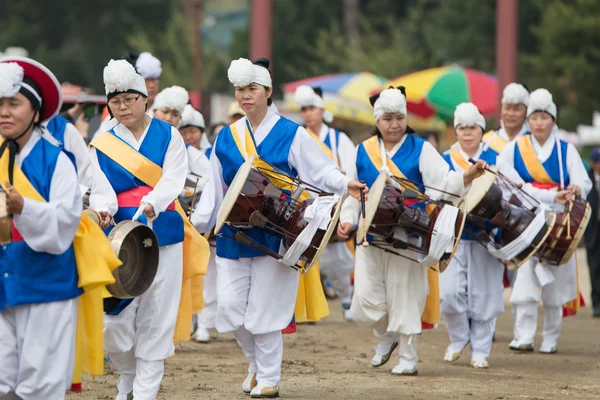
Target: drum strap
x,y
196,250
532,163
95,262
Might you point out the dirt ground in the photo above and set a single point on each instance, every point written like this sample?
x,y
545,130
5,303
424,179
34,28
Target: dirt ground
x,y
331,360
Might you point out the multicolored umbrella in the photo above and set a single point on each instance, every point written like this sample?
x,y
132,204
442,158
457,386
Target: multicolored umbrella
x,y
437,91
345,95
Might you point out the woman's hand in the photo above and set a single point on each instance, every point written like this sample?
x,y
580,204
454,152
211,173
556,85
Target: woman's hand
x,y
344,229
354,188
105,219
475,171
149,213
576,190
14,201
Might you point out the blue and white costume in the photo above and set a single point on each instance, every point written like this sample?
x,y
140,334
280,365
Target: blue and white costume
x,y
537,281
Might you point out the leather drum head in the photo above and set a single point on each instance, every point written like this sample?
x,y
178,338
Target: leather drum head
x,y
371,206
479,188
233,192
136,246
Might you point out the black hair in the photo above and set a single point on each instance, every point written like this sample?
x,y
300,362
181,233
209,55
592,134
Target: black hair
x,y
35,103
378,133
264,62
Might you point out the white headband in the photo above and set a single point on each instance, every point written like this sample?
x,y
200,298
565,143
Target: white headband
x,y
242,73
11,81
541,100
174,97
390,101
120,76
148,66
467,114
306,96
192,117
515,93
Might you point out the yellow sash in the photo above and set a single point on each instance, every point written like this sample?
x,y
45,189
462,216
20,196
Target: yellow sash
x,y
495,141
311,304
196,250
459,160
431,314
95,261
532,163
322,145
573,306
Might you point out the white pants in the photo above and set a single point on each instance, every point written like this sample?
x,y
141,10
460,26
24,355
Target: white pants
x,y
407,344
206,317
256,298
337,263
36,346
140,338
554,286
463,330
472,283
471,298
391,287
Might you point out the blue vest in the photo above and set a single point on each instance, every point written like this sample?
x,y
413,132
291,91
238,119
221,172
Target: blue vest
x,y
274,149
168,227
208,152
327,141
550,165
470,230
406,159
57,126
29,277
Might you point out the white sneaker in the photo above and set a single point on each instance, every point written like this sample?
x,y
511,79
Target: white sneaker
x,y
451,355
381,358
548,348
405,368
480,364
516,345
201,335
124,396
249,383
263,391
347,315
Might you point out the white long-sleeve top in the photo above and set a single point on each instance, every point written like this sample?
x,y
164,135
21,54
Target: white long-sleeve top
x,y
305,156
198,166
577,173
170,185
74,143
345,149
435,171
50,227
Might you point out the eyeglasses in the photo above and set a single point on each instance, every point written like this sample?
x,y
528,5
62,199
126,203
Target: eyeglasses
x,y
129,101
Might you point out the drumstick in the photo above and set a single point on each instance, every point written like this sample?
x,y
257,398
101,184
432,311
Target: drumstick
x,y
193,197
365,243
501,175
569,220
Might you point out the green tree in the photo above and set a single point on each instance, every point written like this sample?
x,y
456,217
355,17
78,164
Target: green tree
x,y
568,56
